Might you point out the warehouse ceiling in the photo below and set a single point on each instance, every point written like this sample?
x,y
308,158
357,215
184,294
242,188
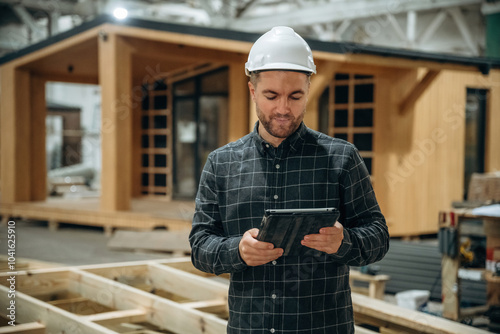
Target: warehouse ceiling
x,y
448,26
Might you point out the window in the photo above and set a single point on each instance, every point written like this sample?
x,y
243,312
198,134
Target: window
x,y
347,112
200,109
156,142
475,133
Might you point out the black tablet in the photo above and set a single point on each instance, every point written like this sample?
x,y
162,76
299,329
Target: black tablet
x,y
285,228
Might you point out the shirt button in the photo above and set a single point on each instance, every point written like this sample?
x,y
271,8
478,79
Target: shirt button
x,y
274,263
273,296
267,145
277,166
275,196
272,330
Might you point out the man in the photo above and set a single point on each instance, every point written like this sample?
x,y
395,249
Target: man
x,y
283,164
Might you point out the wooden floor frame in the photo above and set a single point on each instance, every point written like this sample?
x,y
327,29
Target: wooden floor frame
x,y
168,294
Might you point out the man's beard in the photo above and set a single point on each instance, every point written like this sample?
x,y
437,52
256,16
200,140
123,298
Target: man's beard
x,y
280,130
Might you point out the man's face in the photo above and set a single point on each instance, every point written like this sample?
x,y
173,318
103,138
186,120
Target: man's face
x,y
280,98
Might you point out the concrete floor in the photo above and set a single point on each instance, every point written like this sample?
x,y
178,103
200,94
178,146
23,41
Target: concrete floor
x,y
69,245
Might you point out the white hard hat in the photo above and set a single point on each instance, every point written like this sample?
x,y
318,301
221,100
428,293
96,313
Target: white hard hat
x,y
281,48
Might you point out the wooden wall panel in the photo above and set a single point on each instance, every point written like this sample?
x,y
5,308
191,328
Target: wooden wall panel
x,y
420,155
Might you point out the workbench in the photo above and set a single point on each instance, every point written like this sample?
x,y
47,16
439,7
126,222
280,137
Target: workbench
x,y
453,225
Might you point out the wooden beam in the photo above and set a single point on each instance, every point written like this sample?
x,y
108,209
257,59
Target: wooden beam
x,y
29,328
185,284
15,134
186,53
115,78
92,80
449,287
417,91
116,317
42,281
384,314
238,110
29,309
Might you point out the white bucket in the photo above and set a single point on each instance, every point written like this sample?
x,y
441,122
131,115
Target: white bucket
x,y
412,299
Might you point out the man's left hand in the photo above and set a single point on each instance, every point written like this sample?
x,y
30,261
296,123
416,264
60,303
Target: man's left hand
x,y
328,240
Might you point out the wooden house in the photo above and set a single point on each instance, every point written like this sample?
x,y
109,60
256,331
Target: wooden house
x,y
172,93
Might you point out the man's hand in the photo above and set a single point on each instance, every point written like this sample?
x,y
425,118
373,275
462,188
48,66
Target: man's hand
x,y
255,252
328,240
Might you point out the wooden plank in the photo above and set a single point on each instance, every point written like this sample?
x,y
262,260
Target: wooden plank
x,y
185,284
44,281
115,78
29,328
82,79
417,91
117,317
185,53
163,313
361,330
163,241
29,309
395,317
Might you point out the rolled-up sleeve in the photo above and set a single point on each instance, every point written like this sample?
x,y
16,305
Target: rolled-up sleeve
x,y
366,237
211,250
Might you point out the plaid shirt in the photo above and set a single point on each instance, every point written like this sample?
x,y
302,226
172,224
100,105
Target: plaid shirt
x,y
306,294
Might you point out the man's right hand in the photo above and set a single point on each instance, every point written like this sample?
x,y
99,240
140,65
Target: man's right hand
x,y
255,252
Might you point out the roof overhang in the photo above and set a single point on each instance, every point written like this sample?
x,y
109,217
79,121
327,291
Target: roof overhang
x,y
83,39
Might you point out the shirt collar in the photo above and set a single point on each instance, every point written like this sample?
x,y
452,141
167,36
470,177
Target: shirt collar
x,y
293,142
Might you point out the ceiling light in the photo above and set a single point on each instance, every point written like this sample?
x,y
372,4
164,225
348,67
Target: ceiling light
x,y
120,13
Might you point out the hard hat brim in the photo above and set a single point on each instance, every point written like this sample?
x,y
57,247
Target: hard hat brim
x,y
280,67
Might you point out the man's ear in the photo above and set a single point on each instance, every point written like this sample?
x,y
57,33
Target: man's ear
x,y
251,88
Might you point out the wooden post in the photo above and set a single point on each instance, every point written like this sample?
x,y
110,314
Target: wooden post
x,y
115,78
450,287
238,102
15,134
